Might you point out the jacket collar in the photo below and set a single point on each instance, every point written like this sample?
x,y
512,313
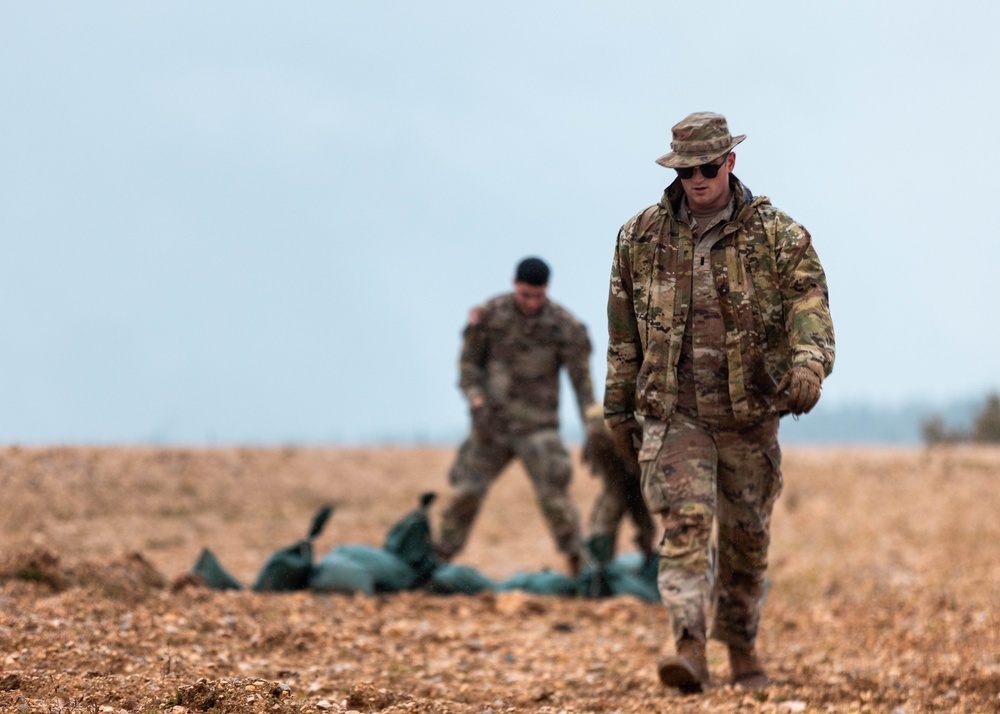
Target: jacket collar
x,y
671,201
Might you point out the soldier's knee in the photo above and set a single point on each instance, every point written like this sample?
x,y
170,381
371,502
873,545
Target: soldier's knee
x,y
746,545
560,473
686,516
458,475
750,536
554,479
464,503
547,461
687,528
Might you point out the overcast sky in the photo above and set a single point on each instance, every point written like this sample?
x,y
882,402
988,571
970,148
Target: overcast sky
x,y
266,222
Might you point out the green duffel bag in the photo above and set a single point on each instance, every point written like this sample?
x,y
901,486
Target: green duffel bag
x,y
212,574
459,580
410,540
544,583
389,573
337,573
291,568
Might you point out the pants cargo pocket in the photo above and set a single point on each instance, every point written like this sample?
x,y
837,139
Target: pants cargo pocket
x,y
654,487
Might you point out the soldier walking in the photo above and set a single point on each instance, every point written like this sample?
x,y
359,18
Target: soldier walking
x,y
513,349
718,324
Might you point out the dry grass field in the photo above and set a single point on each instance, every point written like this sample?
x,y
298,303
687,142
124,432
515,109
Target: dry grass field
x,y
884,597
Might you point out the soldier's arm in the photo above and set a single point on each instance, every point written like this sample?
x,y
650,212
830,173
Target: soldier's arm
x,y
577,361
624,348
806,299
472,361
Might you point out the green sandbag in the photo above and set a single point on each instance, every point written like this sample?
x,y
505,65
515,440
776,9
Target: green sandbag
x,y
622,582
291,568
211,572
389,573
336,572
545,583
639,565
459,580
632,562
410,540
288,569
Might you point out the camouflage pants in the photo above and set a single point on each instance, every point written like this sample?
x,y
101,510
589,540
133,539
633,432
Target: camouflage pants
x,y
479,464
704,483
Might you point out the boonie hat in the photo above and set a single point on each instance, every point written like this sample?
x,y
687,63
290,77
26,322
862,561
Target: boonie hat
x,y
699,138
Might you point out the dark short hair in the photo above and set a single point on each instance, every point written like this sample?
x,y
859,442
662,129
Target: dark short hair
x,y
532,271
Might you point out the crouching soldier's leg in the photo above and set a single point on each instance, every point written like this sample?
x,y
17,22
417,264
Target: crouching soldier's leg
x,y
645,535
678,462
609,508
749,485
550,469
621,493
477,466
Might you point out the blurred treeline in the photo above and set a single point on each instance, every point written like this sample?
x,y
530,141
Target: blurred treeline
x,y
985,428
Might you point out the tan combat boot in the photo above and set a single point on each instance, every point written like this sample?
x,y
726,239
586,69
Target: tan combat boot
x,y
746,669
688,669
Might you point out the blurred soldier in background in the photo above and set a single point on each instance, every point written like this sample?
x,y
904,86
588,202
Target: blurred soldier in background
x,y
512,351
620,494
718,324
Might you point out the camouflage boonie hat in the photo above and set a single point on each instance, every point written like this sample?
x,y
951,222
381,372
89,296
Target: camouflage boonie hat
x,y
699,138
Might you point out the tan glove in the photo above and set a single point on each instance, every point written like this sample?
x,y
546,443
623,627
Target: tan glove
x,y
803,387
628,439
593,419
596,433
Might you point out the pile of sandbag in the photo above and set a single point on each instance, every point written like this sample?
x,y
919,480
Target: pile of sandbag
x,y
406,561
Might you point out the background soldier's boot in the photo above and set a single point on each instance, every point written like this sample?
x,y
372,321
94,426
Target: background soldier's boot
x,y
747,671
688,669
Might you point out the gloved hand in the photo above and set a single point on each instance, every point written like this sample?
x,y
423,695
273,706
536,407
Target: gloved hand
x,y
593,419
803,387
597,435
628,439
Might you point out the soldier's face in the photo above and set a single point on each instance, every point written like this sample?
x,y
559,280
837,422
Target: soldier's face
x,y
709,194
530,299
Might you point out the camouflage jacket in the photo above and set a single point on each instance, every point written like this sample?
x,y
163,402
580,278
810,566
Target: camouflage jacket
x,y
513,360
773,298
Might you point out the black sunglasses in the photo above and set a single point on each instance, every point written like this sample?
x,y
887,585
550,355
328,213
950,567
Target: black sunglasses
x,y
709,171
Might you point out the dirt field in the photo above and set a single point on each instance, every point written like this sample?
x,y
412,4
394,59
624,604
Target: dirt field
x,y
885,591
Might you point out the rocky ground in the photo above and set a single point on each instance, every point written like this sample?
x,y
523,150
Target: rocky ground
x,y
884,591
